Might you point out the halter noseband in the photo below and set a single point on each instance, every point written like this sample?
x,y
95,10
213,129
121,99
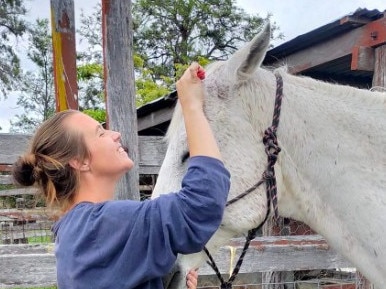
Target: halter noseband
x,y
272,150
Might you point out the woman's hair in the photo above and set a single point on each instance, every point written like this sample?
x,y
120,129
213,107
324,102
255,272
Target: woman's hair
x,y
46,163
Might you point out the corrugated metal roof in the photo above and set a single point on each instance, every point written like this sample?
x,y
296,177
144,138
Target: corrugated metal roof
x,y
340,26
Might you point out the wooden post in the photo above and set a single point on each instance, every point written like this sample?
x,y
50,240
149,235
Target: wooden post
x,y
379,77
64,50
274,279
119,84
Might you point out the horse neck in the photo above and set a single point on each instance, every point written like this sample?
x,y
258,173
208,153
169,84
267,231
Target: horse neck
x,y
321,132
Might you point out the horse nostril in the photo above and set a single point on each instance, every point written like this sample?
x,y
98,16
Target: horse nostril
x,y
171,280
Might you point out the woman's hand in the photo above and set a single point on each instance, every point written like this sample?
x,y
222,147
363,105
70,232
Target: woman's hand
x,y
190,88
191,279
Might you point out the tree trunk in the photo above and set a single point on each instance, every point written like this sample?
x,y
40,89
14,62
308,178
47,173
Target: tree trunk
x,y
119,86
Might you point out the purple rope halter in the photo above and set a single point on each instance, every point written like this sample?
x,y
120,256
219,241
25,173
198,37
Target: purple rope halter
x,y
272,150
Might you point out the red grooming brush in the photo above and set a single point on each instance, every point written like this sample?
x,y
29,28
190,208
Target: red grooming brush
x,y
201,74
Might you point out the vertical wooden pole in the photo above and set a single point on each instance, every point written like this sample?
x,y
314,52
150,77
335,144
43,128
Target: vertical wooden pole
x,y
273,279
119,86
64,48
379,77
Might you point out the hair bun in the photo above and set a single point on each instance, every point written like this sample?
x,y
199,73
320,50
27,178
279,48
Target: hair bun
x,y
23,170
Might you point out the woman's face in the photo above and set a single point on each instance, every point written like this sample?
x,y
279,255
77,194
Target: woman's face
x,y
107,156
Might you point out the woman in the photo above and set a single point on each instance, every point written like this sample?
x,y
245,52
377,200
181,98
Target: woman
x,y
102,243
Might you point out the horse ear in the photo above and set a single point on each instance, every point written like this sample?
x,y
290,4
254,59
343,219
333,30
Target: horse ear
x,y
250,57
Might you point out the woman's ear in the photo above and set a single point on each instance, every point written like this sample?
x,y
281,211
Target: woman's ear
x,y
82,166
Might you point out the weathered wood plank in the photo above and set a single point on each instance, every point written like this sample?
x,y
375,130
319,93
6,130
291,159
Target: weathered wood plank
x,y
119,76
151,151
11,146
36,270
27,265
155,118
6,180
19,192
379,77
362,58
64,52
283,253
35,264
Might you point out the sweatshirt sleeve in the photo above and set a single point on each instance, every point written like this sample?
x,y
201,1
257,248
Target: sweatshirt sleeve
x,y
190,217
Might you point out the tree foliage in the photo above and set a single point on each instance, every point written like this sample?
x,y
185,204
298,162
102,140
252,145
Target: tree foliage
x,y
169,34
90,61
12,25
37,97
172,32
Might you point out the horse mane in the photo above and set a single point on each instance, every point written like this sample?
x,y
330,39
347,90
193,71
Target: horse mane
x,y
174,123
177,117
305,83
356,96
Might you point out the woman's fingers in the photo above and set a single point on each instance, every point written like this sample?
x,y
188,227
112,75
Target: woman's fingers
x,y
191,279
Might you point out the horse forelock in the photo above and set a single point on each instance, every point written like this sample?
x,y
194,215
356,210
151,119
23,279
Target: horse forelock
x,y
178,119
175,123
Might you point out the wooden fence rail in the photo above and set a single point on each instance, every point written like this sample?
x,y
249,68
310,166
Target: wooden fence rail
x,y
34,265
151,153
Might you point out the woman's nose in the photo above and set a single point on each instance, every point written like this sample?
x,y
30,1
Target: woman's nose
x,y
116,135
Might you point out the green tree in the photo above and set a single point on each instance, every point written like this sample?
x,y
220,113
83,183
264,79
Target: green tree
x,y
90,67
12,25
90,61
169,34
37,96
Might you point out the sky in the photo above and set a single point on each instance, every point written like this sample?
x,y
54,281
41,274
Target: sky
x,y
294,17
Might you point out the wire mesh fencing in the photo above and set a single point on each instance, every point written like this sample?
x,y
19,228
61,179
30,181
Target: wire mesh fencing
x,y
24,224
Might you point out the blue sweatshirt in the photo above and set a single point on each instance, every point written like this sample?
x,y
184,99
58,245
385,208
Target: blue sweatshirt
x,y
131,244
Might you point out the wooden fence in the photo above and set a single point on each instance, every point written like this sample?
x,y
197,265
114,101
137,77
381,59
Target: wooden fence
x,y
34,265
31,265
151,152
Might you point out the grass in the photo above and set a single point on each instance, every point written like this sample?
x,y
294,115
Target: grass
x,y
39,240
6,187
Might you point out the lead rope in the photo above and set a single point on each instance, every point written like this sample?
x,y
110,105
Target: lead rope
x,y
272,150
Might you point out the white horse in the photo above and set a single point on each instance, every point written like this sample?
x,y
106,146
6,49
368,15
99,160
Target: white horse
x,y
331,172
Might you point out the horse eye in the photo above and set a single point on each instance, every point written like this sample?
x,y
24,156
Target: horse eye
x,y
184,157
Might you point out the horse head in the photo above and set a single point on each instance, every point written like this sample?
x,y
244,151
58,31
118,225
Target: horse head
x,y
232,87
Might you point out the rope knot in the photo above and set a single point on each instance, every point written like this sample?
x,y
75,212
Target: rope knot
x,y
268,175
272,148
226,285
